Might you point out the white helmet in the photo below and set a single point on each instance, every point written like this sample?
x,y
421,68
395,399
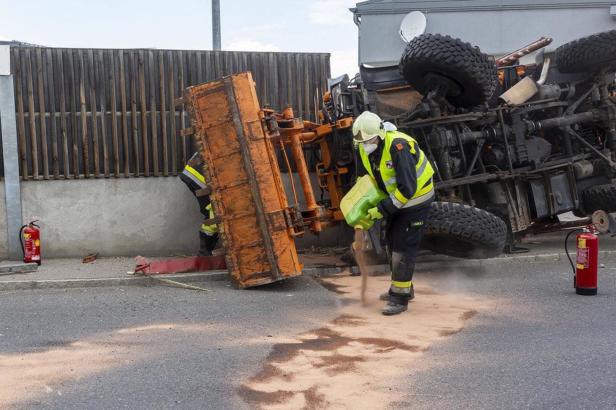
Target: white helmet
x,y
367,126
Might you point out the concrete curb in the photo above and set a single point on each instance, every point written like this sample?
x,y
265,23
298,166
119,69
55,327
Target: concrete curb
x,y
107,282
446,262
317,271
545,257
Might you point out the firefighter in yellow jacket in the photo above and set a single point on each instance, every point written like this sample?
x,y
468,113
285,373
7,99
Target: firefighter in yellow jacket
x,y
193,177
404,173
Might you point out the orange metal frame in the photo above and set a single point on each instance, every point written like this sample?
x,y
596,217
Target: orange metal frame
x,y
294,133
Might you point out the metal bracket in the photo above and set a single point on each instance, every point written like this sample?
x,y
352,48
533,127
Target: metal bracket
x,y
277,220
252,125
574,134
294,220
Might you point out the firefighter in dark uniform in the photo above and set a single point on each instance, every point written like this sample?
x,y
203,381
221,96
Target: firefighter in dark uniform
x,y
403,171
193,177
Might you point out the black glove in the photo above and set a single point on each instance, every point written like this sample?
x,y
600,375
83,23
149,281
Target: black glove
x,y
387,207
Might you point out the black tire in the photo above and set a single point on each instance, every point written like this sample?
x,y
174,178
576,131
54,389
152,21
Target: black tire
x,y
471,70
599,197
588,54
464,231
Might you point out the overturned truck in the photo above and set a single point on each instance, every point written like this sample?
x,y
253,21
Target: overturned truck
x,y
513,146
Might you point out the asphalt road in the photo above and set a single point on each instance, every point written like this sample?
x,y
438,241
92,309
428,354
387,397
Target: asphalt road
x,y
537,346
208,343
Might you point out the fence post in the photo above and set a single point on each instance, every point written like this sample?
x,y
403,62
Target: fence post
x,y
10,156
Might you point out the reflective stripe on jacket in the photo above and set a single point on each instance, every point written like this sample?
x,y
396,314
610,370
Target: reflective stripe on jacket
x,y
192,175
424,190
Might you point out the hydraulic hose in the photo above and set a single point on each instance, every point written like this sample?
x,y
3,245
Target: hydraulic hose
x,y
567,247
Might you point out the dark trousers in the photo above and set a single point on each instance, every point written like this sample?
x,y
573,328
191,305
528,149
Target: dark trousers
x,y
403,234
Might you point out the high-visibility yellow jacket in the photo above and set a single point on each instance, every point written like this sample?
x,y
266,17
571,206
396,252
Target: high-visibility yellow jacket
x,y
192,176
402,170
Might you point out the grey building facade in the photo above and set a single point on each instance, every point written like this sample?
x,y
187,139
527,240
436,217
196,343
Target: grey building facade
x,y
496,26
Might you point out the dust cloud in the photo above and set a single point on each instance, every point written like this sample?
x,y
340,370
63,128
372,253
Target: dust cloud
x,y
354,360
359,246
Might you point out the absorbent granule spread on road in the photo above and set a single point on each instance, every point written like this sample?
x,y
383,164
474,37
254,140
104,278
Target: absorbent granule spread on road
x,y
26,378
354,360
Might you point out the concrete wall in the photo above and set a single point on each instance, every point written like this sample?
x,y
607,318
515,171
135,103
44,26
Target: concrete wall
x,y
114,217
124,217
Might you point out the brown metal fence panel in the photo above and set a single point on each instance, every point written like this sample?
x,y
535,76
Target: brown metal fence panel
x,y
90,113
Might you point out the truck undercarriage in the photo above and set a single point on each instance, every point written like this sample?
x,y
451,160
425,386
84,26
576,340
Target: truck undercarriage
x,y
513,147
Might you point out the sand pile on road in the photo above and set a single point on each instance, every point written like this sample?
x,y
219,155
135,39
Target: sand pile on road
x,y
352,361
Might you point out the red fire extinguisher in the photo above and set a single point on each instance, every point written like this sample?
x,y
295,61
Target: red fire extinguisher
x,y
587,262
30,238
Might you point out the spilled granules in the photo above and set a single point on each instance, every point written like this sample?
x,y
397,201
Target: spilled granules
x,y
359,246
25,378
355,360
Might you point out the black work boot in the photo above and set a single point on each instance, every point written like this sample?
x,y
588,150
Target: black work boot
x,y
207,244
386,296
394,308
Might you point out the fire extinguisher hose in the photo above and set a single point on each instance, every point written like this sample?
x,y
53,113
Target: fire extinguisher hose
x,y
21,240
567,247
